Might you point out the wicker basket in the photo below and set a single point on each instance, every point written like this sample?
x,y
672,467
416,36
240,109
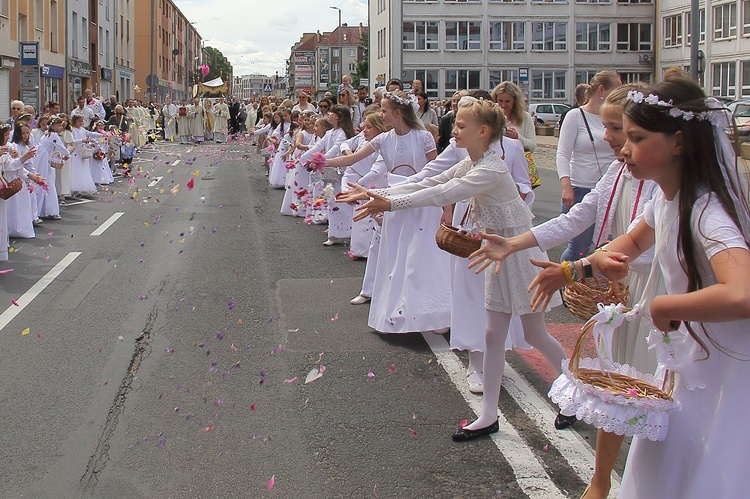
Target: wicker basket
x,y
456,242
87,152
8,189
616,383
57,164
582,297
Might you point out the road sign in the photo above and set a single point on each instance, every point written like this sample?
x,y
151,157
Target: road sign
x,y
267,87
523,74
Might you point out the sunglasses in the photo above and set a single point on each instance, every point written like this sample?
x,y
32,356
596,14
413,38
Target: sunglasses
x,y
323,107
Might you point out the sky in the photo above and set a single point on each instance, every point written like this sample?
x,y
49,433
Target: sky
x,y
257,36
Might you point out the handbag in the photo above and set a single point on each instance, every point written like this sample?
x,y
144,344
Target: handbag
x,y
457,241
533,172
8,189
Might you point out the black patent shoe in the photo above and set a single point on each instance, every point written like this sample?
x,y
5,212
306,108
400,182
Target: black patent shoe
x,y
464,434
562,421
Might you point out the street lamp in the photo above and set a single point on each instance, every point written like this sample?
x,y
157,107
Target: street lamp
x,y
341,49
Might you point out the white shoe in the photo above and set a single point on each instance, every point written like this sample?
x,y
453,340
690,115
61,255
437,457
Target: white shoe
x,y
360,300
474,381
331,241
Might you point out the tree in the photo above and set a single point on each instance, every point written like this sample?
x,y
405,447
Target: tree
x,y
218,65
363,66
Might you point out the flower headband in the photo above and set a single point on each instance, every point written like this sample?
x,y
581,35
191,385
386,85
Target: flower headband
x,y
409,100
637,97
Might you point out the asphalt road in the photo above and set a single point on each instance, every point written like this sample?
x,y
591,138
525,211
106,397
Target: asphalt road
x,y
167,357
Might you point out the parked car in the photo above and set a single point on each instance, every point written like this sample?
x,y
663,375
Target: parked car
x,y
547,112
741,112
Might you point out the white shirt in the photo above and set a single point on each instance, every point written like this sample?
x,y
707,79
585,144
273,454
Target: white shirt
x,y
87,114
577,158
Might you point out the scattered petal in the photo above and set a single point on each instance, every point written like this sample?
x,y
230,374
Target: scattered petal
x,y
463,423
545,448
14,302
290,380
190,184
252,407
335,317
271,482
391,369
25,332
230,305
413,432
313,375
371,374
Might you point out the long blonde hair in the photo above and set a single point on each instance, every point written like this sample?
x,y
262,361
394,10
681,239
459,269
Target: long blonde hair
x,y
401,101
519,101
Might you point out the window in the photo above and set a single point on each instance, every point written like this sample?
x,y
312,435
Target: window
x,y
462,1
507,35
5,8
53,21
74,36
724,79
459,79
725,21
746,17
428,77
352,66
549,1
335,52
549,36
420,35
84,33
673,30
745,78
23,28
634,36
634,1
701,20
593,1
508,1
463,35
593,37
635,77
352,52
101,38
39,14
584,75
548,84
501,75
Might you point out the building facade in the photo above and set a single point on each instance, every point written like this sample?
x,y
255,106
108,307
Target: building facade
x,y
105,63
124,77
724,48
252,86
546,46
319,61
167,51
81,73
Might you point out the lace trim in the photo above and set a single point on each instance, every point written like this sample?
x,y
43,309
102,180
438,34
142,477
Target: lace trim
x,y
645,418
506,216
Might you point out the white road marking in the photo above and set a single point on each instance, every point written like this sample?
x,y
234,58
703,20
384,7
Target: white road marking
x,y
35,290
176,162
106,225
79,201
529,472
155,181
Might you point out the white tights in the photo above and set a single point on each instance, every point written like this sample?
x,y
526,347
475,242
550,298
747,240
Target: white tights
x,y
535,333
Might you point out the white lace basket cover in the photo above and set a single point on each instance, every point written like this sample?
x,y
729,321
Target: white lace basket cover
x,y
624,413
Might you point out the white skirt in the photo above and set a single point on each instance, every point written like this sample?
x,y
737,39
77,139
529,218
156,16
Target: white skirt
x,y
412,291
80,175
20,214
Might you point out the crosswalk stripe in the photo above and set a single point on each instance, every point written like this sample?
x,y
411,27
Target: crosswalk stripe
x,y
529,472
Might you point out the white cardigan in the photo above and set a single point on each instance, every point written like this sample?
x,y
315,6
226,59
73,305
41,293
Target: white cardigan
x,y
591,210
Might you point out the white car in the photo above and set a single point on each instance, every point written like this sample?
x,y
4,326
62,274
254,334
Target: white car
x,y
547,112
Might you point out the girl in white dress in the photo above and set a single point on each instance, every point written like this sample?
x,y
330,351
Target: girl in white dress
x,y
62,176
411,292
101,172
50,148
330,147
314,213
282,139
613,205
298,178
362,230
81,181
701,227
21,212
497,207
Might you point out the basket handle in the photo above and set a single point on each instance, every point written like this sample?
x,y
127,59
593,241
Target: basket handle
x,y
405,165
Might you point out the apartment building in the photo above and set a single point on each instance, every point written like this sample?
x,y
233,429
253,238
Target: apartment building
x,y
547,46
724,49
167,51
252,86
124,65
36,73
319,61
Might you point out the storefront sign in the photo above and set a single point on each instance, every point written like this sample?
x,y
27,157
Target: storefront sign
x,y
79,68
50,71
106,74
